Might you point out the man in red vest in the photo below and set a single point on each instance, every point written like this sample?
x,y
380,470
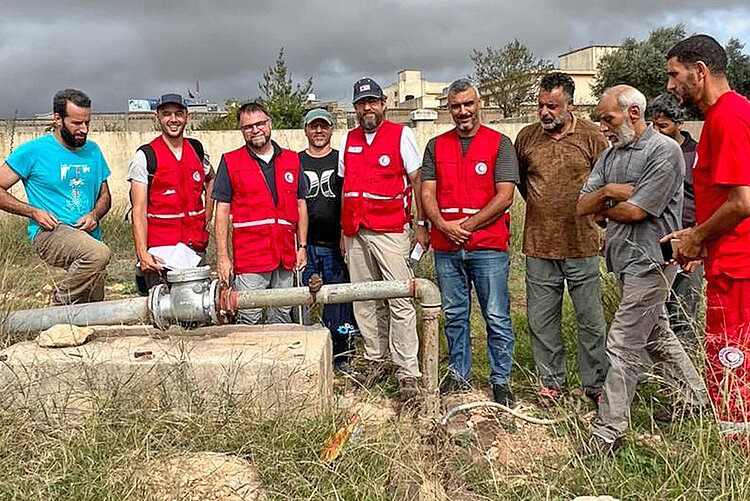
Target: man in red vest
x,y
168,180
696,71
379,162
469,175
261,186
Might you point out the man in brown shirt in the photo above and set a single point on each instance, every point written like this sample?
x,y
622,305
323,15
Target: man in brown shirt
x,y
555,157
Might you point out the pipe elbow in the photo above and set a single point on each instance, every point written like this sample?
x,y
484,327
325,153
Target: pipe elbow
x,y
428,293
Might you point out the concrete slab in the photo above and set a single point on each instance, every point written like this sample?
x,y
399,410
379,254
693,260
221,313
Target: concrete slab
x,y
272,368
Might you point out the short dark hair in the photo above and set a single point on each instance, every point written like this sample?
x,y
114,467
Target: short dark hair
x,y
666,104
701,48
251,107
77,97
462,85
558,79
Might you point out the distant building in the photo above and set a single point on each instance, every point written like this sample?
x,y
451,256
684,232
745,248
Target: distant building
x,y
581,64
411,91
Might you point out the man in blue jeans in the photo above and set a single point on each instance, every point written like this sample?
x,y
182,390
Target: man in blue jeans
x,y
319,164
469,175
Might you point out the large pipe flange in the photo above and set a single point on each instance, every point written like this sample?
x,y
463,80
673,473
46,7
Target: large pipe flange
x,y
160,307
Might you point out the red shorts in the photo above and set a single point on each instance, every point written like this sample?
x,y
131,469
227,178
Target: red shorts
x,y
728,351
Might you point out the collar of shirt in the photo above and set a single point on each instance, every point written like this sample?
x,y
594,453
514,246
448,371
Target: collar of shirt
x,y
276,152
641,142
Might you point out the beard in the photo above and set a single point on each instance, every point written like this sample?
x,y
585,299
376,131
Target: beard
x,y
625,135
555,124
70,139
370,124
258,142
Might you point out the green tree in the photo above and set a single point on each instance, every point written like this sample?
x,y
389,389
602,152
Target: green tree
x,y
227,122
639,63
642,64
738,67
284,101
507,77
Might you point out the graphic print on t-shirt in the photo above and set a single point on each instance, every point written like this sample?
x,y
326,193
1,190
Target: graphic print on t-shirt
x,y
76,200
317,185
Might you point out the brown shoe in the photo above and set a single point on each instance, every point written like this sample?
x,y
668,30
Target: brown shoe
x,y
371,373
408,389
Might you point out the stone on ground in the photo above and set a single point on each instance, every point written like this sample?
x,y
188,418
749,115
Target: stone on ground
x,y
63,336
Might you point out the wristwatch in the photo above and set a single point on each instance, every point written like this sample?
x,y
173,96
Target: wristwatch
x,y
423,223
303,246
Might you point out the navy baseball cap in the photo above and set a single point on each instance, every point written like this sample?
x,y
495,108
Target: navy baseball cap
x,y
171,99
367,87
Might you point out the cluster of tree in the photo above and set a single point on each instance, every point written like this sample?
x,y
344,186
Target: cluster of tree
x,y
642,63
284,101
508,77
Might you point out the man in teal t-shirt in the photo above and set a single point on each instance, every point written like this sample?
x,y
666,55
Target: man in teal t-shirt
x,y
65,178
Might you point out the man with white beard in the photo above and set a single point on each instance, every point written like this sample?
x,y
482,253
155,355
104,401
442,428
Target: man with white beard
x,y
636,185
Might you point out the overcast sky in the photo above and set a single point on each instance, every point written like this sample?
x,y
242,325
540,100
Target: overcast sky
x,y
141,49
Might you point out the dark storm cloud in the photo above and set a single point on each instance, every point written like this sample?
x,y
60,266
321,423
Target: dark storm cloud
x,y
140,49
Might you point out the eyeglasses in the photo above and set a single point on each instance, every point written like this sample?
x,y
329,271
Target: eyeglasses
x,y
259,125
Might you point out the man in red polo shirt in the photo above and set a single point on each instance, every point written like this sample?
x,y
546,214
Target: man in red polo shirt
x,y
696,70
259,184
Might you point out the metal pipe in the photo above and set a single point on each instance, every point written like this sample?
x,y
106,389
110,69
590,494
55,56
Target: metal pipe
x,y
122,311
426,292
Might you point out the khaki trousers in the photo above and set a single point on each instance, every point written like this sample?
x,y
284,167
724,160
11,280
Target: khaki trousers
x,y
383,256
82,255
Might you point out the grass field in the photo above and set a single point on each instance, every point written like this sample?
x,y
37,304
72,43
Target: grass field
x,y
44,456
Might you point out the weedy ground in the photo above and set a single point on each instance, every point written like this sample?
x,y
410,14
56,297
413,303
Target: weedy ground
x,y
479,456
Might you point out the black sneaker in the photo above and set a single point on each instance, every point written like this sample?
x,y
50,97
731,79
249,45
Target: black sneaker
x,y
451,385
594,396
408,389
599,447
503,395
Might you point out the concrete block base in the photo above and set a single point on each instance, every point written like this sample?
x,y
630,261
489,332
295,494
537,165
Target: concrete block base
x,y
273,369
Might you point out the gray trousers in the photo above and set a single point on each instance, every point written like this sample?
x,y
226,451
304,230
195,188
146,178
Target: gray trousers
x,y
641,323
276,279
545,285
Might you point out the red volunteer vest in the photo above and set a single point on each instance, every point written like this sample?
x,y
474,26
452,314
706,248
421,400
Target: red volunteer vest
x,y
465,184
262,233
175,210
376,191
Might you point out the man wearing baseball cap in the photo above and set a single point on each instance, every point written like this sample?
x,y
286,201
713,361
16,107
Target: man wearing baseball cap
x,y
169,178
380,164
319,163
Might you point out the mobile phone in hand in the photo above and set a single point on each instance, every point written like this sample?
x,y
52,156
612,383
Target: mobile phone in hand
x,y
668,249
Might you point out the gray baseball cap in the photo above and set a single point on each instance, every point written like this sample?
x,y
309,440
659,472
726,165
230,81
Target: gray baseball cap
x,y
171,99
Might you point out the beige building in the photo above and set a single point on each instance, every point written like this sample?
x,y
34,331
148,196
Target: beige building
x,y
581,64
411,91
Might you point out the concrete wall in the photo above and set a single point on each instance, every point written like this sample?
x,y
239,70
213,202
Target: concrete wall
x,y
119,147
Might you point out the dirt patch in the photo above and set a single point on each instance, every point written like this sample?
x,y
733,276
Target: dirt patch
x,y
505,440
202,476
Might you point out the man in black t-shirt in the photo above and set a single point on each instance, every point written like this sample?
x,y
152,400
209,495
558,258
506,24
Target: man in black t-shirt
x,y
319,163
